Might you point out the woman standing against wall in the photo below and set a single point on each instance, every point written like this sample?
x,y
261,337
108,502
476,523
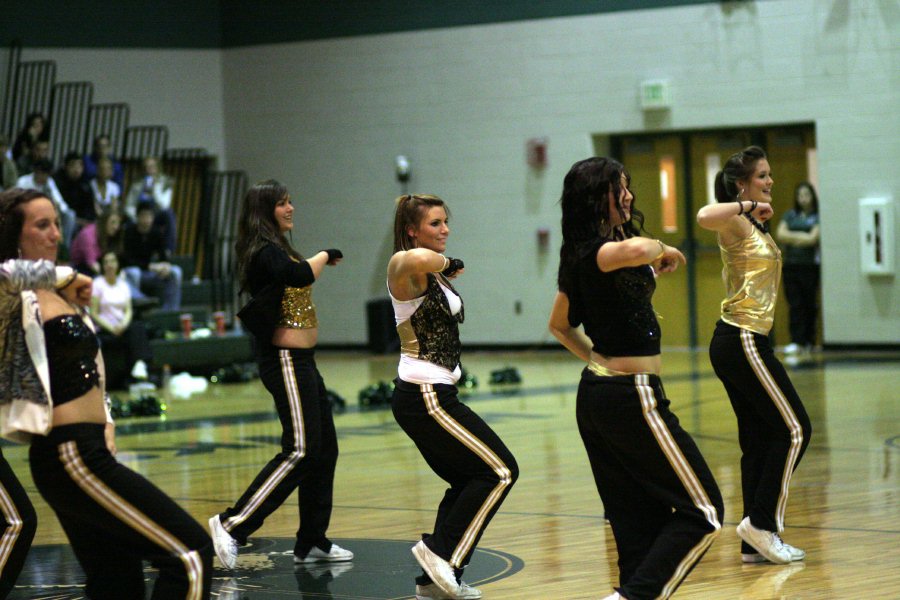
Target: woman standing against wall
x,y
660,497
455,442
275,273
114,518
799,232
773,427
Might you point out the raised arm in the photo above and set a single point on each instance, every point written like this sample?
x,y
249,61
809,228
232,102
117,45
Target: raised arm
x,y
417,260
407,270
321,259
574,339
725,217
18,275
638,251
279,267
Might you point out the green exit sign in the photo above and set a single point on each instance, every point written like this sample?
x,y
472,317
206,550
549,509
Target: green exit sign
x,y
655,93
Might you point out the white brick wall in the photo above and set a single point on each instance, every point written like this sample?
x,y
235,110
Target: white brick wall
x,y
327,118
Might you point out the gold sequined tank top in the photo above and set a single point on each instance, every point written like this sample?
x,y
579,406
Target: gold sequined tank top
x,y
297,308
751,273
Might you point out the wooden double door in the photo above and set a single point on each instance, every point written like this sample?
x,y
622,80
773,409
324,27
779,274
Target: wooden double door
x,y
672,176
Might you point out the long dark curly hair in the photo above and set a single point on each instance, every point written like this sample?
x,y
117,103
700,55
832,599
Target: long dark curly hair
x,y
585,211
257,226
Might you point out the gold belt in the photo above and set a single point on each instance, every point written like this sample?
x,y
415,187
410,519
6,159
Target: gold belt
x,y
601,371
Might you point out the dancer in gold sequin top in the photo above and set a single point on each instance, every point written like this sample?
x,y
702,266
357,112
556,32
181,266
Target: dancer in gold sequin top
x,y
268,267
773,427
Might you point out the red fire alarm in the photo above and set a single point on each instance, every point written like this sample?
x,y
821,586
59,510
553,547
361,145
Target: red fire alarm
x,y
536,152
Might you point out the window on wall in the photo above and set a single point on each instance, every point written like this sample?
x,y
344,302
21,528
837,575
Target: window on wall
x,y
668,194
713,165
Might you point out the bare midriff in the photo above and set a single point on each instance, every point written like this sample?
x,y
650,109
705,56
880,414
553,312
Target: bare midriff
x,y
87,408
285,337
629,364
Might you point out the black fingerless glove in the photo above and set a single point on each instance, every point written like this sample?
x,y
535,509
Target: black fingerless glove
x,y
454,266
333,255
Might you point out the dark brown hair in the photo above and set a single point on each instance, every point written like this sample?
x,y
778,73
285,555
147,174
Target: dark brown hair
x,y
815,197
410,210
585,210
739,167
12,218
257,226
110,243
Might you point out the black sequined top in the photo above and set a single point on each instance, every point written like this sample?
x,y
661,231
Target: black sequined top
x,y
615,307
71,357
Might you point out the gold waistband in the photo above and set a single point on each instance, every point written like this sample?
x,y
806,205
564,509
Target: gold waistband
x,y
601,371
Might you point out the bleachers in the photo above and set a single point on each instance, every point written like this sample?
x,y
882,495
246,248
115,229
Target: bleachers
x,y
205,200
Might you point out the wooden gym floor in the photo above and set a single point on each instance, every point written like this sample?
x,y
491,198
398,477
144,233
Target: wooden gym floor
x,y
549,540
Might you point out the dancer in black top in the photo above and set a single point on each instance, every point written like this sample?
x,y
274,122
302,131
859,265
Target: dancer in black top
x,y
114,518
269,267
660,497
455,442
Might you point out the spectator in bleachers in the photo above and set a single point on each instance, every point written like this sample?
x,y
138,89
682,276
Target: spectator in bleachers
x,y
105,191
111,309
155,187
34,130
103,149
38,151
41,180
146,260
74,190
95,239
8,172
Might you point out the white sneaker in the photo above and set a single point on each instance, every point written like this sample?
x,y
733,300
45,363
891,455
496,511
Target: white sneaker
x,y
796,553
139,370
316,554
321,569
755,558
765,542
792,348
433,592
225,545
437,568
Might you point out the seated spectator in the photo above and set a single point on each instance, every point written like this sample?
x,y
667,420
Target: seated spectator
x,y
34,130
40,150
146,260
41,181
8,172
105,191
154,187
103,149
74,190
111,309
96,239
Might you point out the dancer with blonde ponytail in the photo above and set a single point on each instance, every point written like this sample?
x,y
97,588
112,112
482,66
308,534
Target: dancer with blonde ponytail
x,y
455,442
